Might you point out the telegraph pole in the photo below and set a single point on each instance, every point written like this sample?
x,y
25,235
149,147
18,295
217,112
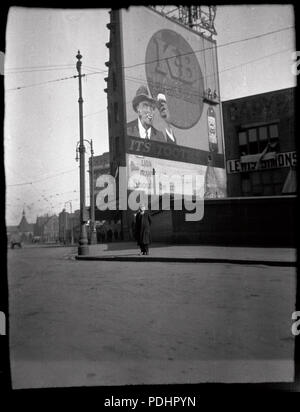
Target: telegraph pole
x,y
83,248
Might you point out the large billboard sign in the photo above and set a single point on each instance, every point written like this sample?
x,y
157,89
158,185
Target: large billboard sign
x,y
168,73
171,111
175,65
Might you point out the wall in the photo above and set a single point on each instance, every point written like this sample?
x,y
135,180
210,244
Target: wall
x,y
161,227
256,221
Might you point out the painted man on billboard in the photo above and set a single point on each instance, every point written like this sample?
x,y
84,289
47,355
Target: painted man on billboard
x,y
144,105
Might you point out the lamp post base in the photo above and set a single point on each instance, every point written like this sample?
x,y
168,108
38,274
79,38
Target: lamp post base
x,y
83,250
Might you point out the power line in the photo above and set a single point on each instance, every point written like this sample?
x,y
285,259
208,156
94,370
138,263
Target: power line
x,y
157,60
211,47
40,70
92,67
55,80
45,178
92,114
97,72
196,93
39,67
204,49
38,84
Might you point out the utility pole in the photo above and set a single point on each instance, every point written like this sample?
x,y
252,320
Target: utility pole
x,y
83,248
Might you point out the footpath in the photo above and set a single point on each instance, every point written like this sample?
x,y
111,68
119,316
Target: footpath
x,y
160,252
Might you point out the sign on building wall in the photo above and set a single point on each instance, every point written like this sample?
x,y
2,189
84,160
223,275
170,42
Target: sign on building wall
x,y
279,160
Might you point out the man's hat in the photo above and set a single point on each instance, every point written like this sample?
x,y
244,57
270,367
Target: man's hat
x,y
142,94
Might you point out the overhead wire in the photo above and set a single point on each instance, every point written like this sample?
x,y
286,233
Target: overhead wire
x,y
164,58
216,46
195,92
39,70
41,83
43,179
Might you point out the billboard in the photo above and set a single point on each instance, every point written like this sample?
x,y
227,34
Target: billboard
x,y
171,98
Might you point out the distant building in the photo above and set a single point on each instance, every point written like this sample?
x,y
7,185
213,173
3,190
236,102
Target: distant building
x,y
260,144
109,230
101,166
108,223
24,229
46,228
69,227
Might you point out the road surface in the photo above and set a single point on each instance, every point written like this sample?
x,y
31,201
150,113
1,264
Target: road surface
x,y
79,323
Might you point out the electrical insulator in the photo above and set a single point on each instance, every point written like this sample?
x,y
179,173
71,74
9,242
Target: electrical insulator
x,y
110,26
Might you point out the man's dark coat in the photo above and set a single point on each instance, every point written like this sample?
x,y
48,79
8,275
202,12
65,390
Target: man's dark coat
x,y
142,228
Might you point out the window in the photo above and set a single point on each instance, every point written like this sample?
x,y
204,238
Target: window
x,y
246,185
262,183
268,191
255,177
274,136
263,133
267,177
243,143
273,131
277,176
254,140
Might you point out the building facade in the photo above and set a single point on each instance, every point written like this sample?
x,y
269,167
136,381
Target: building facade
x,y
108,223
69,227
260,146
101,166
25,229
46,229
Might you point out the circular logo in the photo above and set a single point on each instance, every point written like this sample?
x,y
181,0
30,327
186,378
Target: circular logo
x,y
172,69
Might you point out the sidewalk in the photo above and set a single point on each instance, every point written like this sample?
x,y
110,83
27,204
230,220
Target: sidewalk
x,y
159,252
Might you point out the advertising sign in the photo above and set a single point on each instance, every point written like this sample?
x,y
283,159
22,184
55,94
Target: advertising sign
x,y
160,176
171,68
168,73
278,160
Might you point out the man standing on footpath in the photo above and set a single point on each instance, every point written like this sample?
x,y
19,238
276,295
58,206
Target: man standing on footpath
x,y
142,230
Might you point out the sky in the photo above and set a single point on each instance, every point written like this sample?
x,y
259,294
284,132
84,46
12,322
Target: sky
x,y
41,127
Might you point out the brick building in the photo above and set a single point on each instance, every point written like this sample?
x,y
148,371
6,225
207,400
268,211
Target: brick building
x,y
260,146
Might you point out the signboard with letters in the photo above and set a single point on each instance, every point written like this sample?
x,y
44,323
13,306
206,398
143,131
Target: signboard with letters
x,y
279,160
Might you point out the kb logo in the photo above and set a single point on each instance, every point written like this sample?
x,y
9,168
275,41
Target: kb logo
x,y
172,69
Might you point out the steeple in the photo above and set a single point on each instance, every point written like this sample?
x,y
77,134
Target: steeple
x,y
24,225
